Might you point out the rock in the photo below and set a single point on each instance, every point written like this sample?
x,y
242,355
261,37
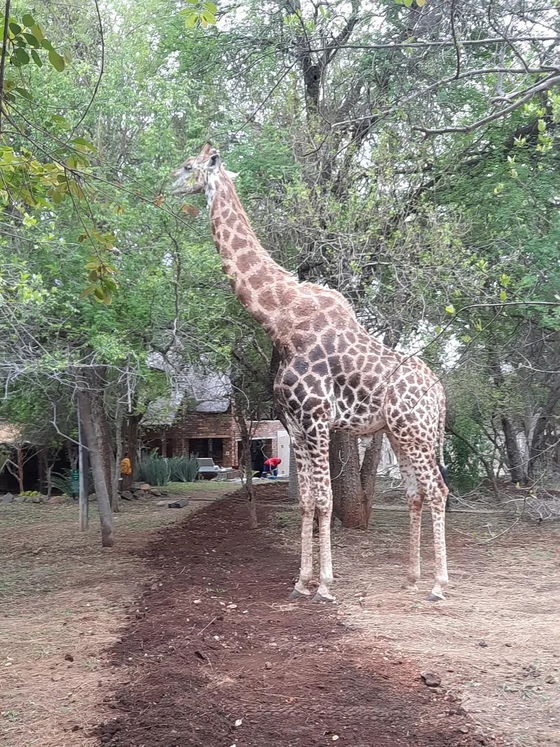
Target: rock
x,y
37,499
155,491
483,644
68,657
126,495
178,504
267,665
8,498
20,498
57,500
144,486
431,679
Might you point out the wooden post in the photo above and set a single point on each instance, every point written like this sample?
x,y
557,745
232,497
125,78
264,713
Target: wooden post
x,y
83,466
20,468
163,444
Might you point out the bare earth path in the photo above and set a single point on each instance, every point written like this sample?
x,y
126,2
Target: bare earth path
x,y
215,657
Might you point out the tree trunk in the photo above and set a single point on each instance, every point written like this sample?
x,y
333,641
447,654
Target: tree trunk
x,y
515,460
90,412
105,446
368,476
247,471
43,467
119,417
537,445
20,462
348,498
132,447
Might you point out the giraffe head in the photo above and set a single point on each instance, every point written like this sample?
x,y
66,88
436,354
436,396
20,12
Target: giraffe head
x,y
200,173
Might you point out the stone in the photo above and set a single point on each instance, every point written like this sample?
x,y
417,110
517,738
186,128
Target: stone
x,y
36,499
56,500
155,491
144,486
8,498
178,504
431,679
20,498
126,495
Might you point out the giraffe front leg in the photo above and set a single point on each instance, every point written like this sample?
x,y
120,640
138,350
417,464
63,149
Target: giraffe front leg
x,y
438,520
306,567
413,573
323,593
321,482
307,504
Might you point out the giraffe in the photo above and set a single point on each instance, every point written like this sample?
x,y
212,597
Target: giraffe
x,y
332,375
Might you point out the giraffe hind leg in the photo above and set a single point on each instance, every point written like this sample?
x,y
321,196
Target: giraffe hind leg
x,y
433,487
414,499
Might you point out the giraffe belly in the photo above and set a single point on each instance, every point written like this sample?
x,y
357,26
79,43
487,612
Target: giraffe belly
x,y
363,419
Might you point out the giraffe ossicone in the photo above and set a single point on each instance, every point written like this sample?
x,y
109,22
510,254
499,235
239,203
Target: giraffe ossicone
x,y
332,375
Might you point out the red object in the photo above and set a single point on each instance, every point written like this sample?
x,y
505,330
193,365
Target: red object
x,y
274,462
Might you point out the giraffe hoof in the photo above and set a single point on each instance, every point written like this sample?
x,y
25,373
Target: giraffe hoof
x,y
318,598
298,595
435,598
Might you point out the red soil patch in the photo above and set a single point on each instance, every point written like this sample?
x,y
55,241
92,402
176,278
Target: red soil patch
x,y
288,674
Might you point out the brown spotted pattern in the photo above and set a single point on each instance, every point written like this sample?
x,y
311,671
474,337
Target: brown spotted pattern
x,y
333,375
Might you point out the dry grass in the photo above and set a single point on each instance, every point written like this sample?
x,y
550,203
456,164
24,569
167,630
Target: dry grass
x,y
63,601
496,639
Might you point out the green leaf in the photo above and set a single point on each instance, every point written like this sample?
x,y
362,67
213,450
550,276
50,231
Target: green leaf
x,y
61,121
191,20
24,92
420,3
15,28
36,59
212,8
56,60
20,57
46,44
32,40
28,20
503,295
37,32
81,141
450,309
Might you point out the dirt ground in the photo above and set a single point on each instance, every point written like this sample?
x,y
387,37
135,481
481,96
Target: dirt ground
x,y
210,653
61,604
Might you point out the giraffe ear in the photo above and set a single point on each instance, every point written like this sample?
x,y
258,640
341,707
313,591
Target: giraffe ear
x,y
214,162
232,175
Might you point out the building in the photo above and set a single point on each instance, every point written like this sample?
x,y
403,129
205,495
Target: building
x,y
197,418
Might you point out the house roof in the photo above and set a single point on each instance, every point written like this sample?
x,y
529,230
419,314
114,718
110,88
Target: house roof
x,y
10,433
206,392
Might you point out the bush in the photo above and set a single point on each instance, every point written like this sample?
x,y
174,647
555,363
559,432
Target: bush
x,y
183,469
62,481
154,470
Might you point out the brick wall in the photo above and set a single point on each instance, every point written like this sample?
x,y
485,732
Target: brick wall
x,y
175,440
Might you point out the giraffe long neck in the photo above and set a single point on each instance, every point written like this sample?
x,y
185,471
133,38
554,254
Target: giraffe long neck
x,y
252,272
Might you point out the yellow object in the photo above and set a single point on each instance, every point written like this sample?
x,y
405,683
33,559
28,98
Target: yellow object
x,y
126,466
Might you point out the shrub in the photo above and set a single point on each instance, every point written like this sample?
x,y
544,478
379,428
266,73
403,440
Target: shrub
x,y
183,469
153,469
